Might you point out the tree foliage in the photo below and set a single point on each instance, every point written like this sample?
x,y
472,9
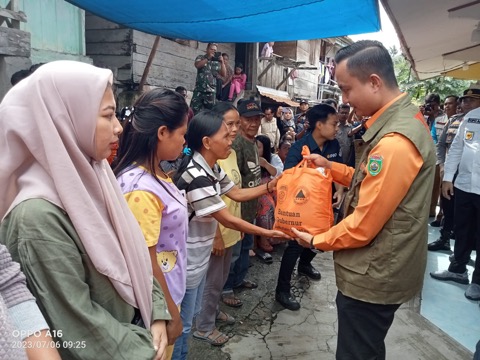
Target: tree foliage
x,y
418,89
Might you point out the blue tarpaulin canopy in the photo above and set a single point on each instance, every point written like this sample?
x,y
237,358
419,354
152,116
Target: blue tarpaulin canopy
x,y
240,20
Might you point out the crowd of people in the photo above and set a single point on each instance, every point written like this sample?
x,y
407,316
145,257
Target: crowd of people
x,y
454,130
128,258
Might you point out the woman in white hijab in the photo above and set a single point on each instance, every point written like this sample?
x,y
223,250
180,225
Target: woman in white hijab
x,y
64,218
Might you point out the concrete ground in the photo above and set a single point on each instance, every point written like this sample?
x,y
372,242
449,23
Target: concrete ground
x,y
265,330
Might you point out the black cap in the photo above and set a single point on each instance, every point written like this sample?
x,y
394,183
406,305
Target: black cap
x,y
473,91
249,108
303,101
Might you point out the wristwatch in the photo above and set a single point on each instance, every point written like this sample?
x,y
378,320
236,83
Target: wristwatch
x,y
313,248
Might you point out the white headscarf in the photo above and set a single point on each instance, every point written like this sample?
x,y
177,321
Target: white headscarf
x,y
47,145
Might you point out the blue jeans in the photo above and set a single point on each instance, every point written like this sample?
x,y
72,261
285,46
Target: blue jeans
x,y
240,268
191,305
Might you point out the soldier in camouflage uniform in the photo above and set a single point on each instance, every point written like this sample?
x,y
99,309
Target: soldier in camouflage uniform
x,y
204,94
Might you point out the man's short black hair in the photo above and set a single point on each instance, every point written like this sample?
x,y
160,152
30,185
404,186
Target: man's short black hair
x,y
367,57
331,102
320,113
452,96
19,76
432,98
34,67
344,106
180,89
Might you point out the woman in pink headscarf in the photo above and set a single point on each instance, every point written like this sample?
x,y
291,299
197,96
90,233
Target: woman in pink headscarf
x,y
64,218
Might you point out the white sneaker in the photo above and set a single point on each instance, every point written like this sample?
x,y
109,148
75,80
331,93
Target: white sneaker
x,y
445,275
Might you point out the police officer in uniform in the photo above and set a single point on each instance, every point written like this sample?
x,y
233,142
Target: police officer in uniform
x,y
464,156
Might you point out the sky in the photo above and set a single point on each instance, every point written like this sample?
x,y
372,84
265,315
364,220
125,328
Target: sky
x,y
386,35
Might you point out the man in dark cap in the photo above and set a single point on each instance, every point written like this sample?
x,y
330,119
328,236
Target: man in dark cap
x,y
300,119
247,158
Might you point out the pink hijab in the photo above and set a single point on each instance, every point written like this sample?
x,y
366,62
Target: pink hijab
x,y
47,145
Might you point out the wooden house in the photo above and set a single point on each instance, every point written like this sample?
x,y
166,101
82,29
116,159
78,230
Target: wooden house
x,y
298,70
34,31
126,52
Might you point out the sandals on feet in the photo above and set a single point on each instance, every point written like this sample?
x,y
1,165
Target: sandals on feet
x,y
264,256
247,284
265,245
231,300
213,337
223,317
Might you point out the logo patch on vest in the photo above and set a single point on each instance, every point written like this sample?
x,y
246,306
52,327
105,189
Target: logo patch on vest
x,y
469,135
375,164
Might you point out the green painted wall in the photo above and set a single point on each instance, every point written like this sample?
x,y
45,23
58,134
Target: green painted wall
x,y
57,29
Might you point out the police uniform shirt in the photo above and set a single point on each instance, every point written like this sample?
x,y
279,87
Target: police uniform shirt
x,y
464,155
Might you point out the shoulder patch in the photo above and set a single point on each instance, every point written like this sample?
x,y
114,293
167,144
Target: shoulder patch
x,y
469,135
375,163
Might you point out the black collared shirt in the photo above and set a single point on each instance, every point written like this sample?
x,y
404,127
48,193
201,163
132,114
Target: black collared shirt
x,y
331,151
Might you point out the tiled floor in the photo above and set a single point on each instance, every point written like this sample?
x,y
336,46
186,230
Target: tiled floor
x,y
444,303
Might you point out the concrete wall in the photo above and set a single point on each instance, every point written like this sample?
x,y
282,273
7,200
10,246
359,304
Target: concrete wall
x,y
8,66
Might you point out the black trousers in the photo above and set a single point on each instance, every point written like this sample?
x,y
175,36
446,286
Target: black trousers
x,y
290,256
448,207
476,356
467,232
362,328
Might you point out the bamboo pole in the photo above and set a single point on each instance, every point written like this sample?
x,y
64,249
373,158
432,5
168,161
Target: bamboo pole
x,y
148,64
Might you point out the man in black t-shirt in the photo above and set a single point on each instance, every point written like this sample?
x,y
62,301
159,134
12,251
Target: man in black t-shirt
x,y
321,140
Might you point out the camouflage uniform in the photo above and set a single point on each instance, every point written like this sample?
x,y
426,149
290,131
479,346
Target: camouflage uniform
x,y
204,94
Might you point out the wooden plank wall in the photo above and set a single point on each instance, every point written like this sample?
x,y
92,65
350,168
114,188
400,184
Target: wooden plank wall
x,y
110,46
274,75
14,42
173,64
126,51
284,48
306,84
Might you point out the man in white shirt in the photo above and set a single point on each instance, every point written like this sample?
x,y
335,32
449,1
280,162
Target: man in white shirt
x,y
267,50
268,127
464,156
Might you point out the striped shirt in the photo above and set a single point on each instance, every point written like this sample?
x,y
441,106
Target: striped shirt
x,y
203,187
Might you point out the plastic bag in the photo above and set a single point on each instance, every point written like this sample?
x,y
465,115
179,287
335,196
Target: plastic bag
x,y
304,199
